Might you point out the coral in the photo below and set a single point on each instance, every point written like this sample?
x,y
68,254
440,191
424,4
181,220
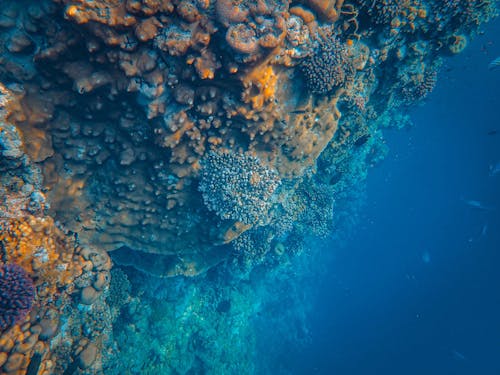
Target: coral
x,y
328,67
401,16
328,10
242,38
169,133
20,180
252,246
119,289
318,213
237,186
462,14
116,104
59,269
457,43
16,295
418,81
420,87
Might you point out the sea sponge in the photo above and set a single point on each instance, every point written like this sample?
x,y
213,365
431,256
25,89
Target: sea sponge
x,y
17,294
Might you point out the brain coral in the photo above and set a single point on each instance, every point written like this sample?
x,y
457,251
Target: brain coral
x,y
237,186
16,294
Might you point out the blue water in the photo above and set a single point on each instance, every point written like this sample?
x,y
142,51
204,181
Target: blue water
x,y
416,290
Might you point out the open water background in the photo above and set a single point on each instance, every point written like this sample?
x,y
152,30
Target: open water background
x,y
416,290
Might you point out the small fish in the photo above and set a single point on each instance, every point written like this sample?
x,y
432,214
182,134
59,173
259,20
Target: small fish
x,y
484,230
492,132
426,257
478,205
299,111
457,355
495,169
495,64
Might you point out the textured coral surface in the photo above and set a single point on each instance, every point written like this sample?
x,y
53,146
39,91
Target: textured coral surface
x,y
189,138
16,294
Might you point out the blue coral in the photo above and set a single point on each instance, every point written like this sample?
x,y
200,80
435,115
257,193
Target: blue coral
x,y
17,294
237,186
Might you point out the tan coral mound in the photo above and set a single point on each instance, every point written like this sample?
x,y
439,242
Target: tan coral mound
x,y
124,174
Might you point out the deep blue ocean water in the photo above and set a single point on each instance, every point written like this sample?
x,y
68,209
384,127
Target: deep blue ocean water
x,y
416,290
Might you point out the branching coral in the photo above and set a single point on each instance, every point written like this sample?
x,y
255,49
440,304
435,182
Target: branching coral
x,y
328,67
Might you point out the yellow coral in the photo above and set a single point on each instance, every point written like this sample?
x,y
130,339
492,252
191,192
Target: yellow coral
x,y
72,10
265,80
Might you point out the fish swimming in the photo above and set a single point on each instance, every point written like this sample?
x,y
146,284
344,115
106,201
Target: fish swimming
x,y
457,355
494,169
478,205
495,64
484,230
299,111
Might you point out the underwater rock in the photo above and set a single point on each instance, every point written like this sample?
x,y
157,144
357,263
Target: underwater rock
x,y
88,356
89,295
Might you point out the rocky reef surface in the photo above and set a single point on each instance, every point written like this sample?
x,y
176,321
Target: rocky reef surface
x,y
204,142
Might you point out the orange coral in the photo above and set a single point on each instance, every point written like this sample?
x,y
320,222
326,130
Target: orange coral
x,y
264,80
112,13
327,9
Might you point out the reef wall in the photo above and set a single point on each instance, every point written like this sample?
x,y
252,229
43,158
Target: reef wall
x,y
180,135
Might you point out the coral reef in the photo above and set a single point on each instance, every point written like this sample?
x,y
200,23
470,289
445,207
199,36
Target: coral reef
x,y
51,287
327,68
16,295
210,138
66,278
237,186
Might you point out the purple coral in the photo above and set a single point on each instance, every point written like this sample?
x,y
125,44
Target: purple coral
x,y
17,293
